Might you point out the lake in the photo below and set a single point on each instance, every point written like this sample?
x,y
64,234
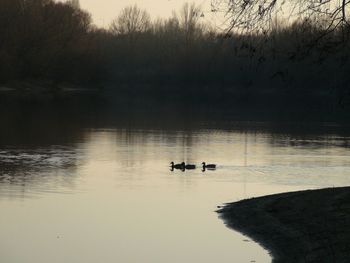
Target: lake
x,y
101,190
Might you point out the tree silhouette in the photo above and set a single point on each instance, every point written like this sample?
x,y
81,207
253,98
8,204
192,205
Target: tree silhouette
x,y
131,20
258,15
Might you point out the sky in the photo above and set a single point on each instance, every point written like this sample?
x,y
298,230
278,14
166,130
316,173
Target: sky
x,y
103,11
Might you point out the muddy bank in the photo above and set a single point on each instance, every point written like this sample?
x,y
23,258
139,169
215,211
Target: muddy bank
x,y
306,226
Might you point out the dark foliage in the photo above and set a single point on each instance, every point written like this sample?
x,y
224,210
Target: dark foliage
x,y
43,40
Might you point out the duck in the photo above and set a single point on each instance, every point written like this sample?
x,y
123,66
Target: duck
x,y
177,166
190,166
208,166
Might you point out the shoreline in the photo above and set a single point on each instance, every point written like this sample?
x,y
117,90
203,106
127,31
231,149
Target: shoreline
x,y
303,226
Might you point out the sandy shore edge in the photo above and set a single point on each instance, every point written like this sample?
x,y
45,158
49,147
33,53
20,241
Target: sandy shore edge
x,y
304,226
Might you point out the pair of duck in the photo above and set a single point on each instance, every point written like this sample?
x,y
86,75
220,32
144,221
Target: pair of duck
x,y
184,166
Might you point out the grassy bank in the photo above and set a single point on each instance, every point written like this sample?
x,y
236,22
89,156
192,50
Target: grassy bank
x,y
306,226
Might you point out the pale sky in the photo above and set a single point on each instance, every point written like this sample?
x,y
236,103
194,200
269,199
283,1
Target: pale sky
x,y
103,11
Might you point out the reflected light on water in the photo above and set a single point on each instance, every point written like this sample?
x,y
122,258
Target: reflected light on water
x,y
108,194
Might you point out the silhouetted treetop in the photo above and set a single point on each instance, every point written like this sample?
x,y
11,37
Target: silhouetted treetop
x,y
131,20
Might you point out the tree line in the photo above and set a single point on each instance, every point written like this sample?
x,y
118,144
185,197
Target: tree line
x,y
57,42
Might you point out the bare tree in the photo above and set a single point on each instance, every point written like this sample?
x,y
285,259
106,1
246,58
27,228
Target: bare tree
x,y
188,21
189,16
131,20
255,15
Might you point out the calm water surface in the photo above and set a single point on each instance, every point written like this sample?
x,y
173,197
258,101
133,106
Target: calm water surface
x,y
107,194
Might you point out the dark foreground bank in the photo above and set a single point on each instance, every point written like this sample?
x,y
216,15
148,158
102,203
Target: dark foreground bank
x,y
306,226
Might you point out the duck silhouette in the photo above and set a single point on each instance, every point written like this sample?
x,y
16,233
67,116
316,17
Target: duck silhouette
x,y
190,166
177,166
208,166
